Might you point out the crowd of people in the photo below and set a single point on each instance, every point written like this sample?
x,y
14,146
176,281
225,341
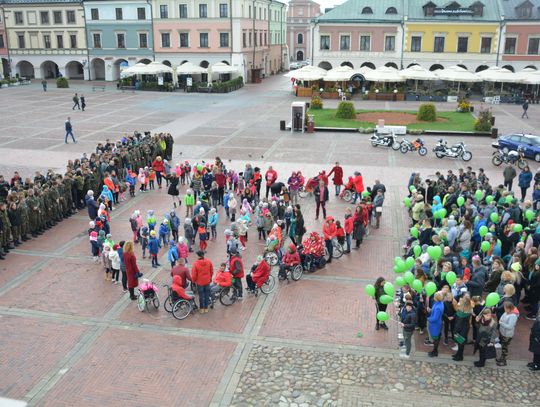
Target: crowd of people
x,y
468,238
31,205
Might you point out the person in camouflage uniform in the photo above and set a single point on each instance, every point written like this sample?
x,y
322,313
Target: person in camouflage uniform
x,y
33,213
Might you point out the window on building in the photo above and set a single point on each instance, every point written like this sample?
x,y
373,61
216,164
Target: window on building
x,y
345,42
300,38
250,42
391,10
143,40
203,11
119,13
20,41
510,46
2,44
46,41
244,39
224,10
19,18
265,38
203,40
365,43
249,12
57,16
260,38
390,43
44,15
367,10
70,16
94,14
224,40
182,11
485,45
255,38
524,11
141,13
438,45
73,40
462,44
59,41
120,40
96,37
165,40
416,43
265,14
325,42
184,40
163,11
533,46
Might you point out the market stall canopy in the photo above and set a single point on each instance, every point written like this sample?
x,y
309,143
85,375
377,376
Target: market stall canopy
x,y
457,74
307,73
187,68
154,68
419,73
341,73
133,70
384,74
222,68
496,74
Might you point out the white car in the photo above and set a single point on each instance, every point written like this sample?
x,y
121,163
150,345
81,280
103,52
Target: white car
x,y
294,65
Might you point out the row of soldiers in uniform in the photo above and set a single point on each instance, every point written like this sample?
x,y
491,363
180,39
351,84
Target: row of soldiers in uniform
x,y
29,207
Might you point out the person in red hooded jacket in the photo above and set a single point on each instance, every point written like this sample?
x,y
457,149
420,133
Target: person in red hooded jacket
x,y
260,272
338,177
349,227
290,259
223,278
329,232
201,274
236,267
358,186
270,177
178,290
159,168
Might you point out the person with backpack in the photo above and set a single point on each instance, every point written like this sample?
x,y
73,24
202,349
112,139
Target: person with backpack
x,y
525,107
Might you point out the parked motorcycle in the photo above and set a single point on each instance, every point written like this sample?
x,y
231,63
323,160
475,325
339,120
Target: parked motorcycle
x,y
385,140
511,157
458,150
415,145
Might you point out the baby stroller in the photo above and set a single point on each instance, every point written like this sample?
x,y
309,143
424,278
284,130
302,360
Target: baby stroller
x,y
148,293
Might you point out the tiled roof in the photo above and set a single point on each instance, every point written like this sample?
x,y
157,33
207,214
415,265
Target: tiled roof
x,y
490,13
352,11
510,9
37,1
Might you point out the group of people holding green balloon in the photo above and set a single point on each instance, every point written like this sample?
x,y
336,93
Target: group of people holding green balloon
x,y
455,237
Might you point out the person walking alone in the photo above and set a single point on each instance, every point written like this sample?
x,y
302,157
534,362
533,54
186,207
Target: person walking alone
x,y
509,173
83,102
76,102
44,84
69,130
525,107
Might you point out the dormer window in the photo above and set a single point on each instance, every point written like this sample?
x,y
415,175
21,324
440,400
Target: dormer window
x,y
429,9
525,9
477,9
367,10
391,10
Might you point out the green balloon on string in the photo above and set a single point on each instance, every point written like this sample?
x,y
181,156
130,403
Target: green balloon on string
x,y
485,246
479,194
460,201
414,232
370,290
412,188
400,281
494,217
489,199
483,231
417,250
382,316
492,299
518,228
451,277
529,214
407,202
385,299
409,262
389,288
417,285
408,277
431,287
509,199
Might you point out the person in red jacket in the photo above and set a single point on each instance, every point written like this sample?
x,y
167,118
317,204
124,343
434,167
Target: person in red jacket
x,y
260,272
349,227
223,278
338,177
329,232
181,271
358,186
159,168
221,180
178,290
132,270
290,259
270,177
236,268
201,274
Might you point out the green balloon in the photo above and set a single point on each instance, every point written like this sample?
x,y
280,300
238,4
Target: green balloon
x,y
407,202
417,250
479,194
365,193
200,168
370,290
396,269
442,213
443,276
389,288
485,246
397,259
431,287
460,201
509,199
518,228
451,277
409,262
483,231
408,277
529,214
414,232
400,281
494,217
401,266
417,285
435,252
489,199
412,188
382,316
492,299
385,299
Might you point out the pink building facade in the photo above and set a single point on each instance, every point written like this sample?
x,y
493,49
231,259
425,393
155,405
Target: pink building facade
x,y
299,18
4,55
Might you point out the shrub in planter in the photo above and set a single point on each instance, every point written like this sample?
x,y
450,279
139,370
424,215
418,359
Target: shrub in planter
x,y
464,106
483,122
62,82
345,110
316,102
427,112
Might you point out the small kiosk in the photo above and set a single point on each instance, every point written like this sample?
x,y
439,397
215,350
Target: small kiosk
x,y
298,116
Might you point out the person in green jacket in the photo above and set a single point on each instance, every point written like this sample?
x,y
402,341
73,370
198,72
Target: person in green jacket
x,y
189,201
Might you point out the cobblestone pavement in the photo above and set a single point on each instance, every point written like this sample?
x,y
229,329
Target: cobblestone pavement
x,y
71,339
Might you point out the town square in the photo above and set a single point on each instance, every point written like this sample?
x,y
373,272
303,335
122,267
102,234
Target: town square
x,y
288,221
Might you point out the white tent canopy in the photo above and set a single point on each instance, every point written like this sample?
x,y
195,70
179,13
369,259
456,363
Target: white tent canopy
x,y
384,74
417,72
530,76
496,74
222,68
133,70
457,74
153,68
363,70
341,73
187,68
307,73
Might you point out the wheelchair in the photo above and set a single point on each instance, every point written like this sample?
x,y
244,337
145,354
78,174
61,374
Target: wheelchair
x,y
179,307
337,251
295,272
146,297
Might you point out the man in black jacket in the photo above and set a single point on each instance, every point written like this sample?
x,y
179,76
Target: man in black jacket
x,y
408,323
321,197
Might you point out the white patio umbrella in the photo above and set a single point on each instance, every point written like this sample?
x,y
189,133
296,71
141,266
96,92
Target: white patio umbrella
x,y
155,68
384,74
222,68
418,73
529,76
363,70
339,74
307,73
187,68
496,74
133,70
457,74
